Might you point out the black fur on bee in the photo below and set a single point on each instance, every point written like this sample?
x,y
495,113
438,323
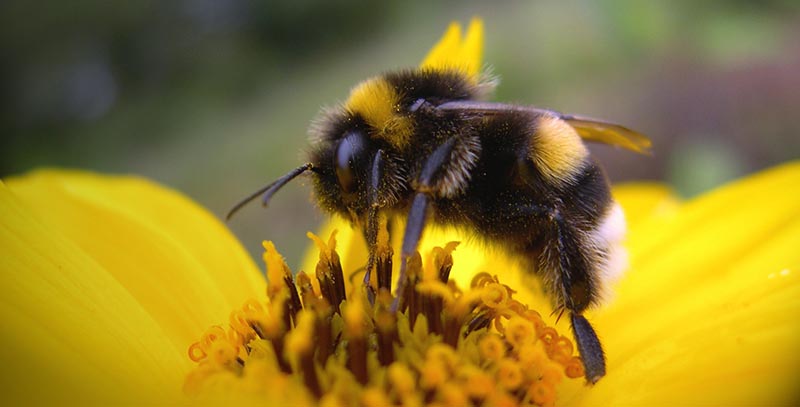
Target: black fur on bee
x,y
418,144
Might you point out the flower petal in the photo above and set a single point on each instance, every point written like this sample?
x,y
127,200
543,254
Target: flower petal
x,y
711,234
451,52
69,327
114,277
641,201
708,312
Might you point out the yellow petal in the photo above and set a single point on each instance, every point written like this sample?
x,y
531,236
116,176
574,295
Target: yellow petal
x,y
641,201
105,283
453,53
69,327
710,234
153,240
708,312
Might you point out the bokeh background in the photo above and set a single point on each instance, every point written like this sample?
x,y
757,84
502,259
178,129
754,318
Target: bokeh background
x,y
214,97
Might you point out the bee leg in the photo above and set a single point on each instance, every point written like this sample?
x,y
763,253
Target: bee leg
x,y
371,226
565,257
589,347
370,232
414,226
426,188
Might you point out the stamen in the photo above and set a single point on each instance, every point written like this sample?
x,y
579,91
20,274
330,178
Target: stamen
x,y
386,326
356,341
519,332
433,374
299,351
383,262
452,395
411,299
492,347
373,397
475,347
541,394
477,384
196,352
508,374
329,271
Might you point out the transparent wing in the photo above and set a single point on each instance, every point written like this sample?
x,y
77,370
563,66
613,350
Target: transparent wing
x,y
601,131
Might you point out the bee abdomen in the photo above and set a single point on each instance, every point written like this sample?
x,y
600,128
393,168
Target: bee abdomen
x,y
606,240
556,150
578,259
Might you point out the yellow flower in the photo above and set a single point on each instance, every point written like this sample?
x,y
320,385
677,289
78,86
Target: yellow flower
x,y
106,281
446,345
112,286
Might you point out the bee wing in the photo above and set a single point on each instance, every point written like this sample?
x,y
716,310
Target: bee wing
x,y
601,131
588,128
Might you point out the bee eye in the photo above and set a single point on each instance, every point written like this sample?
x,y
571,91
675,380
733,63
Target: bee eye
x,y
347,155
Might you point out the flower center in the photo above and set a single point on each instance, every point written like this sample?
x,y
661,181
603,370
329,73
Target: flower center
x,y
316,343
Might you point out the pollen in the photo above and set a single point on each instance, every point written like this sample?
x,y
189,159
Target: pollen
x,y
316,342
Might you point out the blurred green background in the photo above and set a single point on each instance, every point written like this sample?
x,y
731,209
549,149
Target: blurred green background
x,y
214,97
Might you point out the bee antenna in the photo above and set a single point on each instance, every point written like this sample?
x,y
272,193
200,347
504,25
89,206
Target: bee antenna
x,y
270,189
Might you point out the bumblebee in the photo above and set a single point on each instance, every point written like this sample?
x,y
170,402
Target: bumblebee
x,y
422,144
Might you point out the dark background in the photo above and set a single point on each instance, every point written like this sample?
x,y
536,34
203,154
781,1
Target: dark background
x,y
214,97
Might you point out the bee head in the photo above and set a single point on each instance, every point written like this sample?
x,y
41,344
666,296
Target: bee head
x,y
343,164
380,114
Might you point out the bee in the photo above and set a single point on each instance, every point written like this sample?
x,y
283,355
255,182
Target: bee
x,y
422,144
